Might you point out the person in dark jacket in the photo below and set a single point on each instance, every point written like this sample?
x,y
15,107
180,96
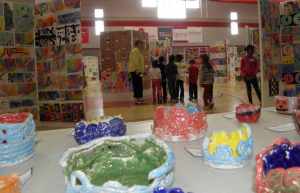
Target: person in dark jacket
x,y
171,72
162,67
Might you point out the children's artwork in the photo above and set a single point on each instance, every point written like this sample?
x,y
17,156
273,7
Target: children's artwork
x,y
25,64
255,33
16,52
275,41
75,81
74,65
23,25
55,82
73,51
73,95
24,39
49,21
42,54
273,87
68,34
12,90
8,64
43,68
71,4
17,103
50,95
287,50
7,39
8,15
287,35
20,77
106,87
58,67
45,37
114,77
63,82
40,9
27,89
23,11
3,90
3,77
113,87
69,18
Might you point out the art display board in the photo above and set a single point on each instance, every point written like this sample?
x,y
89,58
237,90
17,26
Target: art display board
x,y
157,49
91,70
240,54
115,49
18,81
232,62
272,63
194,53
57,26
290,48
218,58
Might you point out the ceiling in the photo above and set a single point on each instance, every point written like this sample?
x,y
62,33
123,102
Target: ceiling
x,y
134,9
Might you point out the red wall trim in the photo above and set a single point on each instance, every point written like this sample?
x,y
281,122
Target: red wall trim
x,y
177,25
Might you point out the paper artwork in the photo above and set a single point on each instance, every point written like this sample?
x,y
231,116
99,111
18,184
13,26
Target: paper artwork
x,y
45,37
75,81
7,39
25,64
20,77
23,25
74,65
273,87
23,11
69,18
17,103
68,34
24,39
27,89
8,15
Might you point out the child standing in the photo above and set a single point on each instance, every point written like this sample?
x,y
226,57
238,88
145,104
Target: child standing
x,y
180,77
162,68
206,80
171,72
249,69
193,78
155,75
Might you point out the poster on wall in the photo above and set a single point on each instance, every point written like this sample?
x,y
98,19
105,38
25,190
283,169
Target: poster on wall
x,y
165,32
180,35
85,34
194,34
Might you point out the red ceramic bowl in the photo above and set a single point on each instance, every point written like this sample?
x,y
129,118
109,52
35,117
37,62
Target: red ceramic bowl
x,y
247,113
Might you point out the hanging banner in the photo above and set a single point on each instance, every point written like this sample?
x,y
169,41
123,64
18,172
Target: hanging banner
x,y
165,32
152,31
85,33
194,34
180,35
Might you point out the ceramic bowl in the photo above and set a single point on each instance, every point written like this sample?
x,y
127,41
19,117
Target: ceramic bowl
x,y
17,138
179,123
278,168
104,126
138,163
286,105
247,113
229,153
9,184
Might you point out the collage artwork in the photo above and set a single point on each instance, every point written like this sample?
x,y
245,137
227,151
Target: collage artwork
x,y
58,52
274,61
157,49
218,58
290,40
115,51
18,85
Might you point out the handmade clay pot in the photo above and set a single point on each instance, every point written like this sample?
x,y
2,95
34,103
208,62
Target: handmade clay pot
x,y
104,126
179,123
286,105
296,118
9,184
221,152
17,138
278,168
247,113
138,163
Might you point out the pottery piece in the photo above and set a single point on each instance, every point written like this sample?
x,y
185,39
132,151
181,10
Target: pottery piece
x,y
278,168
137,163
179,123
104,126
165,190
286,105
220,151
17,138
247,113
9,184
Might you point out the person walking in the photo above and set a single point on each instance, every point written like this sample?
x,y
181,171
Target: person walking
x,y
171,72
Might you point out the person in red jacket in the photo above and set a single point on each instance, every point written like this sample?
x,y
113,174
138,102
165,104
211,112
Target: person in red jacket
x,y
249,69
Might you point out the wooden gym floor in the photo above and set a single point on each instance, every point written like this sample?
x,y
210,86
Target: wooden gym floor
x,y
225,99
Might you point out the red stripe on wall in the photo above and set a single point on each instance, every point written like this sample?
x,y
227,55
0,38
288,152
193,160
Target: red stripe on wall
x,y
177,25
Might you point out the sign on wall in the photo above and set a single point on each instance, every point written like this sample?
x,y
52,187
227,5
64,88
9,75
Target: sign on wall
x,y
180,35
194,34
165,32
85,33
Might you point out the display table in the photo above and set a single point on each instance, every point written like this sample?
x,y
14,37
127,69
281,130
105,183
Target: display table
x,y
191,174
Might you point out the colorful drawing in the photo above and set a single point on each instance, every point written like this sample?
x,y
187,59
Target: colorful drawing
x,y
58,67
287,35
73,95
275,41
7,39
23,11
58,4
27,89
68,34
23,25
17,103
42,54
71,4
8,15
74,65
63,82
40,9
16,52
55,82
10,65
3,90
25,64
12,90
20,77
75,81
73,50
287,50
3,77
43,68
25,39
46,22
69,18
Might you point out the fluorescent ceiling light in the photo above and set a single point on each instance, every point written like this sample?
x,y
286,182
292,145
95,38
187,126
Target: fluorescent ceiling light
x,y
174,9
98,13
192,4
99,27
149,3
234,28
233,16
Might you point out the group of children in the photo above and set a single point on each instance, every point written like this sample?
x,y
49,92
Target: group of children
x,y
175,74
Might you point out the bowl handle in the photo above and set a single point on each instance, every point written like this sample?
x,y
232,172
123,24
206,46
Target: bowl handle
x,y
82,178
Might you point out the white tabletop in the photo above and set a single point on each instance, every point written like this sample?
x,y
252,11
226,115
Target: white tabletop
x,y
191,174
